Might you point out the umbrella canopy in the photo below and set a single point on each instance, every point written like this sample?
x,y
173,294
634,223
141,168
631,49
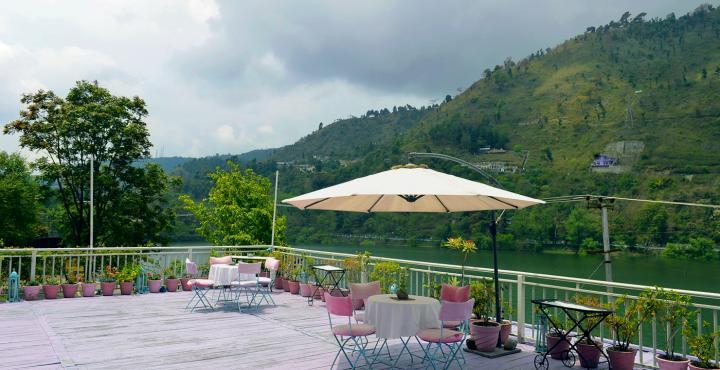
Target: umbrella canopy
x,y
411,189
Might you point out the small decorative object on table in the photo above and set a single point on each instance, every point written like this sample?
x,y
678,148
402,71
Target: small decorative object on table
x,y
402,285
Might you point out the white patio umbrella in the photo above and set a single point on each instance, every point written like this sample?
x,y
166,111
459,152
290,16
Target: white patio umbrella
x,y
412,188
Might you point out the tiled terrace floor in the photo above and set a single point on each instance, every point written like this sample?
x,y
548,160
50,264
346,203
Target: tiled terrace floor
x,y
155,331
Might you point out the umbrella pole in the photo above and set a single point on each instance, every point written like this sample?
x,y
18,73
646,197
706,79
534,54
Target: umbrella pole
x,y
493,234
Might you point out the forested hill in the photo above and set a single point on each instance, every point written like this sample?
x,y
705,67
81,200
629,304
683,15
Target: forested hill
x,y
645,93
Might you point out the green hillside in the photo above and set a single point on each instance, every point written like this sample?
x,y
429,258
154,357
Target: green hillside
x,y
646,92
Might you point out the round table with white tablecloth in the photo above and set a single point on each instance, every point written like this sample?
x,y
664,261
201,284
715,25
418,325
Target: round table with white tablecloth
x,y
225,274
394,318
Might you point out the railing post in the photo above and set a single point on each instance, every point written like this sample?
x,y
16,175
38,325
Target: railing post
x,y
190,250
521,308
33,263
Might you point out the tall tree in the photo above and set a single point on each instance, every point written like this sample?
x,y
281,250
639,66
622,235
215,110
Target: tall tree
x,y
238,210
18,201
91,123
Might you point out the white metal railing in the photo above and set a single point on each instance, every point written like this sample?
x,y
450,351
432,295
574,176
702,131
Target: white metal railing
x,y
518,288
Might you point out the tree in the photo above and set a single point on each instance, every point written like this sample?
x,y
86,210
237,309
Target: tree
x,y
91,123
580,225
448,98
18,201
238,210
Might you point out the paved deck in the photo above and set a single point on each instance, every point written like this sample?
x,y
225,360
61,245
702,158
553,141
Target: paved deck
x,y
155,331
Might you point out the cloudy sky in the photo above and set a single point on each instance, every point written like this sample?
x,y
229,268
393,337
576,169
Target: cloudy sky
x,y
231,76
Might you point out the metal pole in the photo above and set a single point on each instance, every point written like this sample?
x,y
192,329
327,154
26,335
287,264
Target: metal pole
x,y
606,245
493,233
272,235
92,205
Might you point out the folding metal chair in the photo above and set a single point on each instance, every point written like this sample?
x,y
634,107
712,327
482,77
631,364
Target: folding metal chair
x,y
199,287
249,284
452,339
358,333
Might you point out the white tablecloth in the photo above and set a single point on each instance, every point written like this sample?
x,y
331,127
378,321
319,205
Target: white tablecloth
x,y
395,319
225,274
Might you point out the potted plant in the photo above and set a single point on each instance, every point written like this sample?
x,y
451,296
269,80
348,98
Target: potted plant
x,y
70,286
171,281
51,287
108,280
31,290
673,309
401,292
386,273
464,247
589,349
126,277
558,349
484,331
306,287
702,346
279,274
293,283
625,322
154,282
505,325
88,288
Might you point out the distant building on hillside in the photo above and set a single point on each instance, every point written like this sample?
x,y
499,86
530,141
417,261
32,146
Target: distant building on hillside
x,y
602,160
498,166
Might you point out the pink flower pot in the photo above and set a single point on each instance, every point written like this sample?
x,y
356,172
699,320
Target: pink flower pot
x,y
278,283
320,294
560,351
486,337
126,287
185,284
621,360
89,289
154,286
505,329
286,285
51,291
306,290
69,290
672,365
172,285
294,287
108,288
589,355
30,293
692,366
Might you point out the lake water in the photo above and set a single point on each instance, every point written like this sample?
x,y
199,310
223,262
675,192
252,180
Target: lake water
x,y
627,268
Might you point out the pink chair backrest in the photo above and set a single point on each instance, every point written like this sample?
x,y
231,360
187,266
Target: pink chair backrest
x,y
249,268
190,267
272,264
361,292
220,260
338,306
456,311
454,293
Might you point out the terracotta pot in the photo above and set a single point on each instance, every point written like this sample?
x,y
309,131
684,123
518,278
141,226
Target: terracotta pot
x,y
51,291
505,329
486,337
30,293
172,284
672,365
560,351
294,287
306,290
185,284
108,288
589,355
621,360
89,289
278,283
69,290
692,366
286,285
154,286
126,287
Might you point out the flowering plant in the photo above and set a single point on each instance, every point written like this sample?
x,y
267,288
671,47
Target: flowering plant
x,y
153,276
109,275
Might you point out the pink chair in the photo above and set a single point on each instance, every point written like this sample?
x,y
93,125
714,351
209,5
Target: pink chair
x,y
249,284
267,283
199,287
453,339
358,333
453,293
220,260
360,293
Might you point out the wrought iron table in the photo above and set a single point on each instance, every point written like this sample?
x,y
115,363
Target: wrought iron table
x,y
579,315
332,274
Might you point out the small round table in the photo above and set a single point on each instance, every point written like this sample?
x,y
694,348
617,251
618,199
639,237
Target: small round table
x,y
223,274
394,318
